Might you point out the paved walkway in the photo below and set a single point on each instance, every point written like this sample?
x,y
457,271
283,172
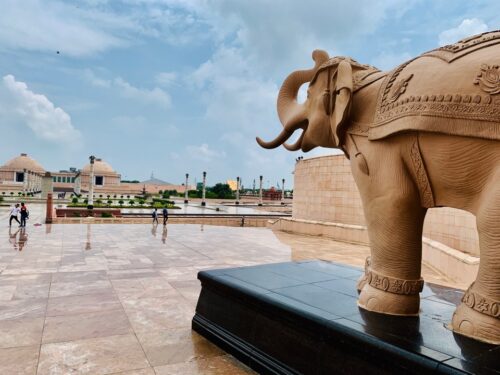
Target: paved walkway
x,y
118,299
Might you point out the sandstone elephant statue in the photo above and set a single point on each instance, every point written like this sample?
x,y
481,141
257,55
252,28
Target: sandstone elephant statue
x,y
425,134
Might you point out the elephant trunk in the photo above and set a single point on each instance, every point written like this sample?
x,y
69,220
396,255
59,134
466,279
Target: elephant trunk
x,y
292,115
290,112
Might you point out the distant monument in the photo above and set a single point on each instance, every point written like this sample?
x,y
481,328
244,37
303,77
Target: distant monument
x,y
423,135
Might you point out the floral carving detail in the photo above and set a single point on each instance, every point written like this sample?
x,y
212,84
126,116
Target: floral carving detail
x,y
481,303
489,79
399,88
393,285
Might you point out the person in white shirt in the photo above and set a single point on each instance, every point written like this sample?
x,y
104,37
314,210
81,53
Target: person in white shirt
x,y
13,215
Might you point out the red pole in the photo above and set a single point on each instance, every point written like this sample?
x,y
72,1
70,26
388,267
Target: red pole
x,y
48,214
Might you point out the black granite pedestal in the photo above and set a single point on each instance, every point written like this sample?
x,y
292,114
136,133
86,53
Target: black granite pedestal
x,y
302,318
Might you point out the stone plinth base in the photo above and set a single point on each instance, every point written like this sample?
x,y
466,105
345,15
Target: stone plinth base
x,y
302,318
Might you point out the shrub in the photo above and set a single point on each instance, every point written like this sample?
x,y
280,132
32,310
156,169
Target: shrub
x,y
109,202
114,196
109,196
128,196
3,192
131,202
100,195
76,214
99,201
160,192
141,202
74,200
85,201
20,193
1,199
120,202
11,193
106,214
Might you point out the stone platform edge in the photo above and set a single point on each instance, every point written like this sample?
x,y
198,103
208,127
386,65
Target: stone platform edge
x,y
456,265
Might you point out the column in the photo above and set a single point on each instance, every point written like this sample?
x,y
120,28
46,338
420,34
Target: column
x,y
49,209
237,190
90,204
203,203
25,181
186,193
260,191
283,191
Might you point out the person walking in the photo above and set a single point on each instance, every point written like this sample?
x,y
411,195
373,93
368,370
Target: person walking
x,y
13,214
155,216
24,214
165,215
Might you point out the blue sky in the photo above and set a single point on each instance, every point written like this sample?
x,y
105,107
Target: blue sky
x,y
176,86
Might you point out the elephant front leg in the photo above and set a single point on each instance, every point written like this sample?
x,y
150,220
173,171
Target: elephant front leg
x,y
392,281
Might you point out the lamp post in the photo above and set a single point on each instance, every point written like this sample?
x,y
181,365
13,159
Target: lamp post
x,y
90,204
203,203
186,195
283,191
237,190
260,191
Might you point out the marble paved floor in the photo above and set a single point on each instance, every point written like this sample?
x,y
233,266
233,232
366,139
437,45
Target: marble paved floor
x,y
118,299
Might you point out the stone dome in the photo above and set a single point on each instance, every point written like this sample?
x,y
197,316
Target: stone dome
x,y
100,167
21,162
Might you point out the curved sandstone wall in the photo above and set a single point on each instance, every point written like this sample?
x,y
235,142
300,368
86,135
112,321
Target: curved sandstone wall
x,y
327,202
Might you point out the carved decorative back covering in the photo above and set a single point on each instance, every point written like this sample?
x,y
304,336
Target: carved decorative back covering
x,y
465,46
462,84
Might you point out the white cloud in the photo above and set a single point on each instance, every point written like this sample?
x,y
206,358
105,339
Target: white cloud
x,y
155,95
95,80
166,78
53,26
204,153
468,27
47,121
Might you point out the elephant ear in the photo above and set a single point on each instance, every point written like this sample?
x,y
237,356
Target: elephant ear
x,y
343,89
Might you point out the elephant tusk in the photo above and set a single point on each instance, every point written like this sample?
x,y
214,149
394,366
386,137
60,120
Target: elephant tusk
x,y
278,141
296,146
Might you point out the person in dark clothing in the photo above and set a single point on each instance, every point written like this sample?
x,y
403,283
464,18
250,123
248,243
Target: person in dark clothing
x,y
13,214
155,216
165,216
24,214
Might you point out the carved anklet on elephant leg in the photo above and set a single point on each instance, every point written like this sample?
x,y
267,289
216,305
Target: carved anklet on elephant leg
x,y
478,317
389,295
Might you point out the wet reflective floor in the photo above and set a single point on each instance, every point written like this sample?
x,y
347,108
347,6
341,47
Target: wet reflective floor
x,y
119,299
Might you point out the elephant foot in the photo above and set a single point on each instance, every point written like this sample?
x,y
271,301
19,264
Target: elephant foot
x,y
477,317
388,295
376,300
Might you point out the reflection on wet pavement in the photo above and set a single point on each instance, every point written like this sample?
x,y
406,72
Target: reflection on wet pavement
x,y
125,294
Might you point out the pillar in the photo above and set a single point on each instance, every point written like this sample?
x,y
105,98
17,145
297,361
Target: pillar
x,y
283,191
203,203
49,209
260,190
186,193
90,204
25,181
237,190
